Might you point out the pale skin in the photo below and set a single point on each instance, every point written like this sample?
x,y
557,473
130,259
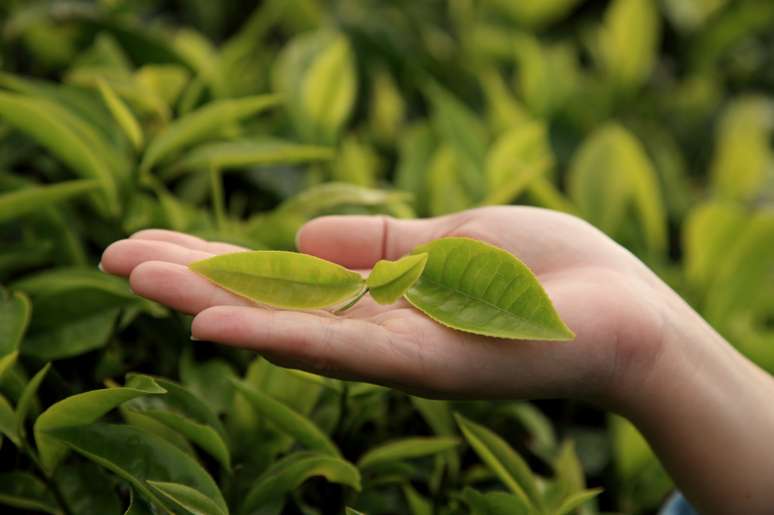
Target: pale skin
x,y
640,349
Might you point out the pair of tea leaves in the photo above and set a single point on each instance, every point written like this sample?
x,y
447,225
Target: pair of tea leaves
x,y
461,283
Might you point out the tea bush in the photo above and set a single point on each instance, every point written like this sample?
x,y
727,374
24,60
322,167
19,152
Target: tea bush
x,y
237,122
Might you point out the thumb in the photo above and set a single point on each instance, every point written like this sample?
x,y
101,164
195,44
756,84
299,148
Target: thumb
x,y
359,241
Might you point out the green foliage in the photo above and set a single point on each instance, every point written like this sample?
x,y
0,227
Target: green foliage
x,y
651,120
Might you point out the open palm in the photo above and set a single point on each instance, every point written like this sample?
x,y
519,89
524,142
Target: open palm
x,y
600,290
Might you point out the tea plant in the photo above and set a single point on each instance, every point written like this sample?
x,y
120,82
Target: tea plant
x,y
238,123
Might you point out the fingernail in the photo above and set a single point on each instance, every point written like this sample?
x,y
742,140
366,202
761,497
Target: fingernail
x,y
195,339
99,266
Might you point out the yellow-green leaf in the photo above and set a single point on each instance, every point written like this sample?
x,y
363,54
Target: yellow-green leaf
x,y
225,155
44,122
508,466
475,287
201,124
628,41
121,113
611,172
32,199
329,89
405,449
281,279
515,160
389,280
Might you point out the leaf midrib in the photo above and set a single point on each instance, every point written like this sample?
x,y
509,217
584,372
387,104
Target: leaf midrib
x,y
486,303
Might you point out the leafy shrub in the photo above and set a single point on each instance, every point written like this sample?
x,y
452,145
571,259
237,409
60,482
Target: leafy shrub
x,y
649,119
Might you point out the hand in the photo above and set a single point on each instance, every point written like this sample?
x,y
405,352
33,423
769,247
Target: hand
x,y
603,293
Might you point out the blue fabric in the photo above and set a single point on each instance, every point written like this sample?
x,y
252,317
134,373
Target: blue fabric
x,y
677,505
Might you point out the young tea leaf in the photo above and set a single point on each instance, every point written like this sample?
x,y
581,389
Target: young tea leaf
x,y
80,409
288,420
184,412
282,279
187,498
509,467
32,199
406,448
138,456
478,288
121,113
225,155
198,125
15,310
286,475
389,280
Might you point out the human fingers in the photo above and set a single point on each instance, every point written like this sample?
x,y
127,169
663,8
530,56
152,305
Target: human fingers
x,y
123,256
187,240
359,241
343,347
178,287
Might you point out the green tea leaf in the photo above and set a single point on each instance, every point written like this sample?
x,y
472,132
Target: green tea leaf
x,y
709,231
15,311
478,288
548,75
80,409
577,500
610,172
418,505
496,503
187,498
122,114
26,492
463,132
332,195
75,310
286,475
629,40
8,423
137,506
44,123
138,457
281,279
509,467
33,199
515,160
404,449
225,155
742,277
182,411
288,420
389,280
446,189
329,89
88,488
27,399
201,124
743,154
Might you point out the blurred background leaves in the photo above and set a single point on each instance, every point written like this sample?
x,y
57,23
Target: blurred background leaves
x,y
241,120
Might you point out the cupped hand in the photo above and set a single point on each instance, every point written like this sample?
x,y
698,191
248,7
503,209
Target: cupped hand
x,y
605,295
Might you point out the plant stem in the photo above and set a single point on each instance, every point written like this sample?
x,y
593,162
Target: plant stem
x,y
351,303
217,196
